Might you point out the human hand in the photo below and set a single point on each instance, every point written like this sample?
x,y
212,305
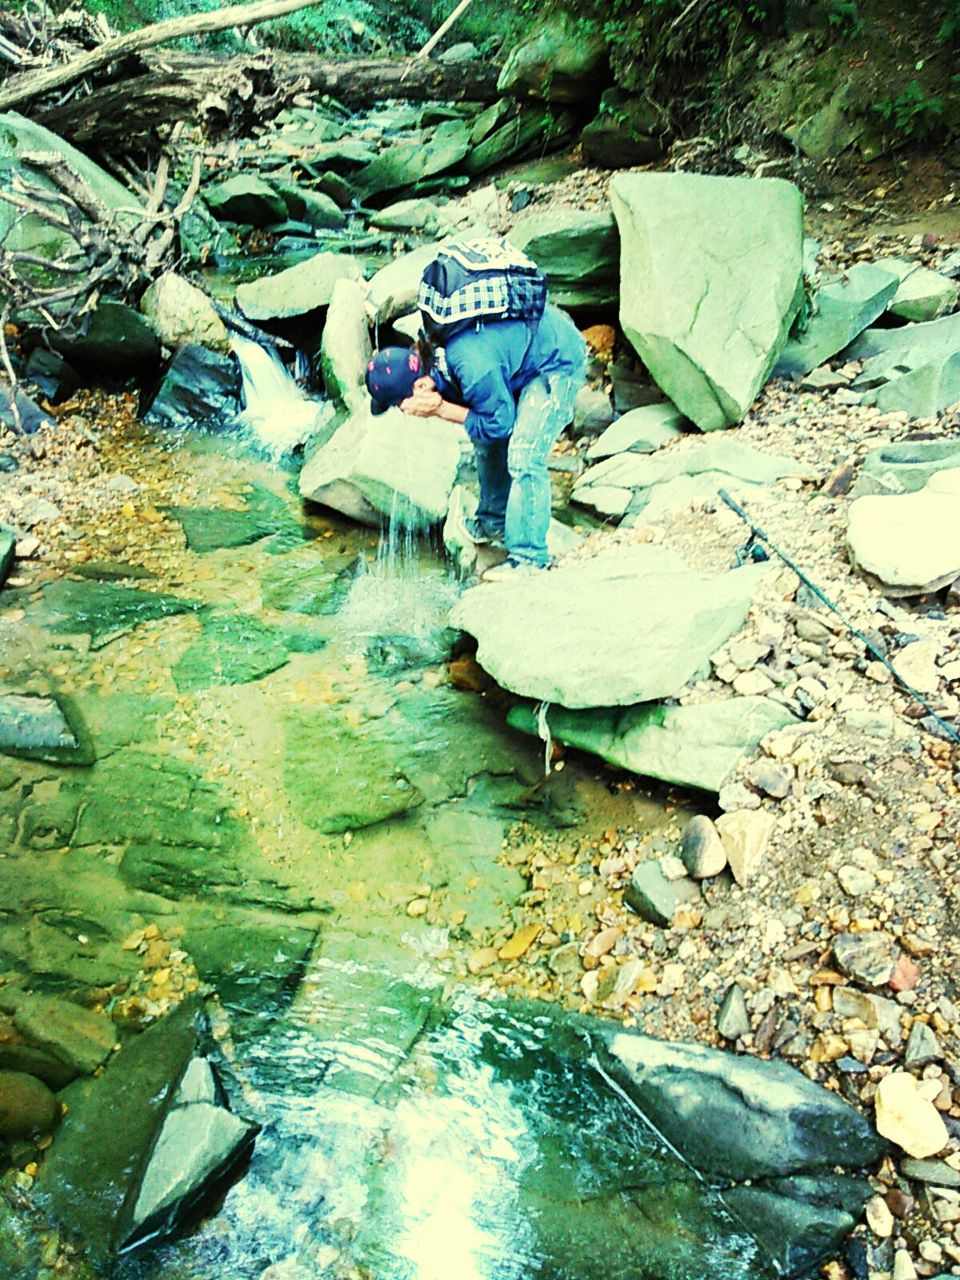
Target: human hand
x,y
422,404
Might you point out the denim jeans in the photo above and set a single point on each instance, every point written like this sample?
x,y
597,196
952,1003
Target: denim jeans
x,y
514,482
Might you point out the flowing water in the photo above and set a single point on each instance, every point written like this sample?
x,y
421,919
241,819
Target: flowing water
x,y
294,718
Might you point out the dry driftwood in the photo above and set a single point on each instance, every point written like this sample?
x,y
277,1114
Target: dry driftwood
x,y
237,91
29,85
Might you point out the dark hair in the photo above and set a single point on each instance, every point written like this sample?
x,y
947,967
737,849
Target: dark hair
x,y
426,351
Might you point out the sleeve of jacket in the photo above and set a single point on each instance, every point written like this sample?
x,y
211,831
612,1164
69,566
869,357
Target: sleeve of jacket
x,y
492,408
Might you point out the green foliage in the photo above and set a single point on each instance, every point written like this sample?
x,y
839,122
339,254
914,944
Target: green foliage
x,y
949,33
914,113
843,17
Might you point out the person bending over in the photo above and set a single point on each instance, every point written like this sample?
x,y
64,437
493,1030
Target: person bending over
x,y
511,384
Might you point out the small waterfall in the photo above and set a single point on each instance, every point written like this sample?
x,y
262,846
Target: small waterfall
x,y
277,413
400,597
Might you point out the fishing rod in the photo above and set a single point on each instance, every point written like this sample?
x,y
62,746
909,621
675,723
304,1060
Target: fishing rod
x,y
752,551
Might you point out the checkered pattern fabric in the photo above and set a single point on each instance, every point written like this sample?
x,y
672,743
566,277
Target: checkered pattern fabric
x,y
480,280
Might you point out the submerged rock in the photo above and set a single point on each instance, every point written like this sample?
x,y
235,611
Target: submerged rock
x,y
145,1146
102,610
27,1106
235,648
633,624
710,284
698,745
388,465
37,728
75,1037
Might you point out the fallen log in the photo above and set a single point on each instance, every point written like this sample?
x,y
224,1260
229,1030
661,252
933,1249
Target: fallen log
x,y
237,90
29,85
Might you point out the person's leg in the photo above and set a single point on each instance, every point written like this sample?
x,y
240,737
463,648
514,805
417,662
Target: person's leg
x,y
544,409
494,479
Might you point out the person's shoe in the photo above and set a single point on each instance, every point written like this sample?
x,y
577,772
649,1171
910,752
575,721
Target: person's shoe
x,y
481,536
512,570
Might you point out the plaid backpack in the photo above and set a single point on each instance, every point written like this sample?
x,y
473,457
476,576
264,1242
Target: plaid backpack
x,y
477,280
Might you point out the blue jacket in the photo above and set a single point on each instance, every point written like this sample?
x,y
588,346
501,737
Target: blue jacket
x,y
492,364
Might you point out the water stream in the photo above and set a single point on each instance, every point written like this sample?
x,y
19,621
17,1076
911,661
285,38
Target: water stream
x,y
411,1130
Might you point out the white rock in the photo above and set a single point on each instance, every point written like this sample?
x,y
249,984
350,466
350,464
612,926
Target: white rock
x,y
910,541
879,1217
745,835
905,1117
917,664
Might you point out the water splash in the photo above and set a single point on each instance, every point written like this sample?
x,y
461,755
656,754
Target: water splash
x,y
399,595
277,413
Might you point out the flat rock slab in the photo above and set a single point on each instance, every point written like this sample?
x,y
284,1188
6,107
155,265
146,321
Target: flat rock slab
x,y
632,625
710,276
905,466
38,728
922,294
102,610
633,483
914,369
235,648
643,430
693,746
387,465
910,542
845,307
739,1117
298,290
114,1177
578,250
264,514
78,1038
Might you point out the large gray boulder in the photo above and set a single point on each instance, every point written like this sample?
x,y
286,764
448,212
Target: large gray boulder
x,y
692,746
386,466
180,313
297,290
844,308
909,542
710,277
631,625
650,486
577,249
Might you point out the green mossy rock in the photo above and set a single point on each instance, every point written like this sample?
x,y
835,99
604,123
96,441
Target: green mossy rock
x,y
245,199
118,341
315,208
561,60
625,132
234,648
407,163
102,610
341,778
693,746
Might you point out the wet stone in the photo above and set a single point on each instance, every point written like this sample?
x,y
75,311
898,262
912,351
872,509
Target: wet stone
x,y
102,610
869,957
235,648
78,1038
211,528
27,1106
36,728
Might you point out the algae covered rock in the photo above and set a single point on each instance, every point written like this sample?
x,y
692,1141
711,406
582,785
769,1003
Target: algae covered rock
x,y
38,728
560,60
710,282
698,745
626,131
